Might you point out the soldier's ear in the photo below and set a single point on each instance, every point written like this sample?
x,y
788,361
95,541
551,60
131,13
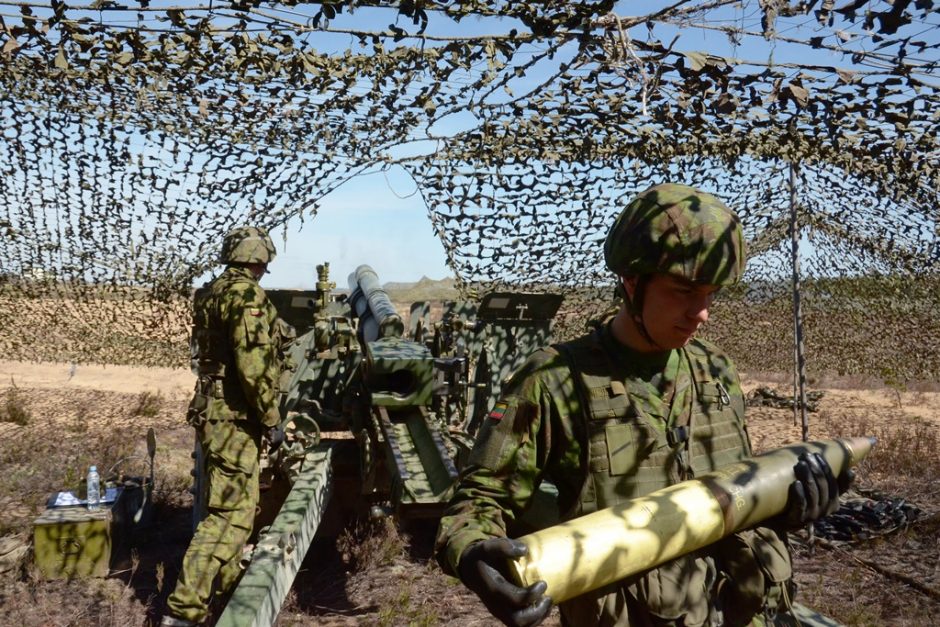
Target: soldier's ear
x,y
628,283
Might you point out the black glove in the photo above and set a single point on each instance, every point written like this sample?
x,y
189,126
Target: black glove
x,y
483,569
815,493
275,437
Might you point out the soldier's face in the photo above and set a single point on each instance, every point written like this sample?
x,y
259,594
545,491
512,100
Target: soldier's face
x,y
673,308
258,269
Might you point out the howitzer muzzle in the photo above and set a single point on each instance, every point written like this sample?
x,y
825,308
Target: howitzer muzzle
x,y
592,551
377,315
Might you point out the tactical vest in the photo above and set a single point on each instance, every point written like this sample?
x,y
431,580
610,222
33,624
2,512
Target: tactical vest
x,y
211,351
209,343
630,453
213,360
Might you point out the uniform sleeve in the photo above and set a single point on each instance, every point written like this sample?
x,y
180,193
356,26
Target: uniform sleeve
x,y
251,317
503,471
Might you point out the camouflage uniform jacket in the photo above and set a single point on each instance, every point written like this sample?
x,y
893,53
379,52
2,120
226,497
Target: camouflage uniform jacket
x,y
538,432
236,351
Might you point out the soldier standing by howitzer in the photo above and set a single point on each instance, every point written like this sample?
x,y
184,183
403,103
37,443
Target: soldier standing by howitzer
x,y
636,405
236,342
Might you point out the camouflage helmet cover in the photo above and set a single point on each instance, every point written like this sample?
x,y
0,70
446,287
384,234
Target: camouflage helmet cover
x,y
679,230
247,244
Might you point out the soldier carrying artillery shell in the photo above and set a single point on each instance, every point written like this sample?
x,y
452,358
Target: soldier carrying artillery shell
x,y
636,405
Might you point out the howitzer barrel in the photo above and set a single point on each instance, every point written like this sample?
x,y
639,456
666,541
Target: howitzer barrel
x,y
592,551
376,313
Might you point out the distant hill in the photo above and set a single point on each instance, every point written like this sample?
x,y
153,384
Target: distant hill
x,y
424,289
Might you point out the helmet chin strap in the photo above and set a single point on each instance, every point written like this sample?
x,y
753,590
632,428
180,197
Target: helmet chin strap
x,y
635,307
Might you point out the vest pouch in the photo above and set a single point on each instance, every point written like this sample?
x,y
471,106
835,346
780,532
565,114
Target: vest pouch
x,y
635,449
257,332
209,351
755,575
717,440
677,592
207,389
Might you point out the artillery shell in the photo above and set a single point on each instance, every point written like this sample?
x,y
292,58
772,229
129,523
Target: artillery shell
x,y
592,551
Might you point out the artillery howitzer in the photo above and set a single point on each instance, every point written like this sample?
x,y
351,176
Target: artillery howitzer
x,y
389,414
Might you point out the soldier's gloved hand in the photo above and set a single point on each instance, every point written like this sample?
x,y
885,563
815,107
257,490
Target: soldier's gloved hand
x,y
815,493
483,568
275,437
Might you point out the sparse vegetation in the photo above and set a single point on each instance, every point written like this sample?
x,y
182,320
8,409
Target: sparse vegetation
x,y
14,408
80,420
148,404
895,383
905,460
375,574
371,544
403,611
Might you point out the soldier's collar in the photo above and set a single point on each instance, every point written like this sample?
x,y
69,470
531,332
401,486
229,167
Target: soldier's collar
x,y
240,271
629,358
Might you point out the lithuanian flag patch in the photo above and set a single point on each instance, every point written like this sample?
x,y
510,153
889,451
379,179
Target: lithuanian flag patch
x,y
499,410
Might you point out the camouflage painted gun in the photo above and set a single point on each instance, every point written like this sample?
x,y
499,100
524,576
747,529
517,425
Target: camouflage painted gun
x,y
388,415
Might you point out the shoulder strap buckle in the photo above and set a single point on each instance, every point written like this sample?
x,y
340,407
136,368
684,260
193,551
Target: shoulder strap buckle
x,y
677,436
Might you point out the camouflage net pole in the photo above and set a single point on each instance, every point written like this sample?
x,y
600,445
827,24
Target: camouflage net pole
x,y
134,135
799,372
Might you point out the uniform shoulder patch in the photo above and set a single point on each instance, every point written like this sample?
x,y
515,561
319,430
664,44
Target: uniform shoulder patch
x,y
499,410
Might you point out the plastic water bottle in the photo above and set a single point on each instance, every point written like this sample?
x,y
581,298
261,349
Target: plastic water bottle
x,y
94,488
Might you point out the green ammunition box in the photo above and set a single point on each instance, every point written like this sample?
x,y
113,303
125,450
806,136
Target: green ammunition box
x,y
71,542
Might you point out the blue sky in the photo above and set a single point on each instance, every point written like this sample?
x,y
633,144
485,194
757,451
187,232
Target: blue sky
x,y
379,219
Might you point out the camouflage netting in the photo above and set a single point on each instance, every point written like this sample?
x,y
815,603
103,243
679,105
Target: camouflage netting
x,y
134,135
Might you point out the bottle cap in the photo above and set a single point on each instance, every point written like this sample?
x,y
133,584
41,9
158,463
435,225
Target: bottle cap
x,y
95,468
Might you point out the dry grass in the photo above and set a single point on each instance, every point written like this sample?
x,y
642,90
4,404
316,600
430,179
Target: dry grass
x,y
905,460
834,381
14,409
376,545
99,602
148,405
393,572
371,544
42,463
80,428
869,583
373,573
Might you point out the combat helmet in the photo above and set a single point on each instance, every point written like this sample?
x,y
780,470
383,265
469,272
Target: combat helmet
x,y
679,230
247,244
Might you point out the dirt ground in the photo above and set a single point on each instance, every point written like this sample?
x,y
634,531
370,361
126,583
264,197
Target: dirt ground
x,y
377,574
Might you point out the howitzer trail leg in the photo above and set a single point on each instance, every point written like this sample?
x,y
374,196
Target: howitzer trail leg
x,y
421,466
282,547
